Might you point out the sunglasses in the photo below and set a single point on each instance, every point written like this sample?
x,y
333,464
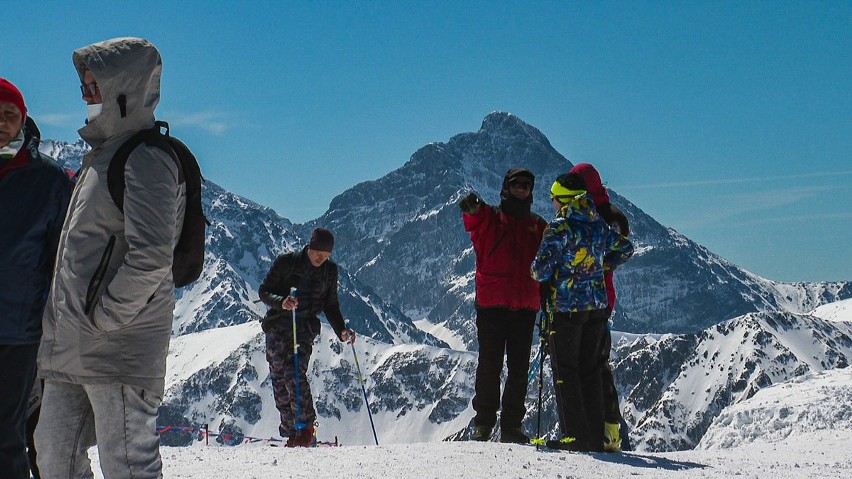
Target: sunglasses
x,y
521,184
89,89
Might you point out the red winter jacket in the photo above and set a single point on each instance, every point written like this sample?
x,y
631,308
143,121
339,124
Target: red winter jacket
x,y
612,215
505,247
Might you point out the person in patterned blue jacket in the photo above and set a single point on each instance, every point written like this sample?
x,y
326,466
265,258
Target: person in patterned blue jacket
x,y
578,246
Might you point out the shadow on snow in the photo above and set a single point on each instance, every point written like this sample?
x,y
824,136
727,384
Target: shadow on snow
x,y
652,462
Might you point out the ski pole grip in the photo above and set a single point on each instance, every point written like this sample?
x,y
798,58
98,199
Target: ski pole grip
x,y
293,292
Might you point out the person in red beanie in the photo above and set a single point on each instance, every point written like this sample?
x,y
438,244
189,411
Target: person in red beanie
x,y
314,276
34,194
13,112
618,222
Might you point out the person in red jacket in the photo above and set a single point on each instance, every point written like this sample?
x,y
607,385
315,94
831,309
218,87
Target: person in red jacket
x,y
617,221
505,239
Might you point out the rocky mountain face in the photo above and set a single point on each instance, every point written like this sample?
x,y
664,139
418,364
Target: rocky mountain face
x,y
407,288
403,235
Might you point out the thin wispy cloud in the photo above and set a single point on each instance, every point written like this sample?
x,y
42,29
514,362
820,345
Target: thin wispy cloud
x,y
794,218
212,121
728,181
60,119
754,205
768,199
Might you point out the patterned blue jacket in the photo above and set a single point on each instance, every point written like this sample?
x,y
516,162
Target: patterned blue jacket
x,y
577,248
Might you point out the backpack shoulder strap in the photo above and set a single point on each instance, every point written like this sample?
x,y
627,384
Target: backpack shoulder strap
x,y
150,137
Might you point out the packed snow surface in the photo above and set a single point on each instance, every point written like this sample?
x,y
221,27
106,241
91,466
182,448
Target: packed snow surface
x,y
785,431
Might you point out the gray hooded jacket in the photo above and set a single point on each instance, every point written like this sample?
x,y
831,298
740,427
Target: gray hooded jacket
x,y
109,314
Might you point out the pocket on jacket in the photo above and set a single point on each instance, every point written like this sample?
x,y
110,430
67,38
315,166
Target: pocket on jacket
x,y
94,289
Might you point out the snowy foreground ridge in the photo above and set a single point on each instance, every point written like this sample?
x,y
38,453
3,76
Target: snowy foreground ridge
x,y
802,428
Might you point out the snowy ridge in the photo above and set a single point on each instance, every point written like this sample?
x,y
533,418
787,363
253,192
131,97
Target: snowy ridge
x,y
370,315
675,387
242,241
69,155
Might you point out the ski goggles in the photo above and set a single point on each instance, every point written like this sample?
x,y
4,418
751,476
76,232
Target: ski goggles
x,y
521,184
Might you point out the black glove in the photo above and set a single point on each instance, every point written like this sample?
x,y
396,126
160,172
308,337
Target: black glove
x,y
544,292
470,203
545,348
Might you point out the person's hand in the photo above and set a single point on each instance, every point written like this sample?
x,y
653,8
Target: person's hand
x,y
470,203
290,303
348,336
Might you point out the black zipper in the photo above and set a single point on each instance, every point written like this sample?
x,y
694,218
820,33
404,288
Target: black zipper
x,y
98,277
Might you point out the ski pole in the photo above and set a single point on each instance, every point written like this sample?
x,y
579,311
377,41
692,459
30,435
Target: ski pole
x,y
538,441
364,390
533,366
299,425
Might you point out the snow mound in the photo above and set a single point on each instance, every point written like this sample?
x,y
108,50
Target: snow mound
x,y
815,405
836,311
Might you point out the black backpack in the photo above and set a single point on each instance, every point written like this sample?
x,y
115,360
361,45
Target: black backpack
x,y
189,252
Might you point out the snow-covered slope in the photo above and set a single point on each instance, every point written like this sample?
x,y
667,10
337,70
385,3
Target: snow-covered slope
x,y
837,311
220,377
674,387
792,458
815,405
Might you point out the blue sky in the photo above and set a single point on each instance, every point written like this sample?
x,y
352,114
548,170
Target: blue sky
x,y
730,122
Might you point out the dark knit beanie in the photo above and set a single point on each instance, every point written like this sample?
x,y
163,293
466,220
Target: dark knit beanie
x,y
9,93
321,240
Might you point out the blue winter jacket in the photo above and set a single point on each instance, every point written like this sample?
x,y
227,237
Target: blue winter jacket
x,y
34,194
578,246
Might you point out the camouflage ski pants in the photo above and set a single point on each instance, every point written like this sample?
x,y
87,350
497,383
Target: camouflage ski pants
x,y
294,408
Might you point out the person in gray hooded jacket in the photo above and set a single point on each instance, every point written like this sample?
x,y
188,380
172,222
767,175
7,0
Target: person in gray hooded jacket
x,y
109,313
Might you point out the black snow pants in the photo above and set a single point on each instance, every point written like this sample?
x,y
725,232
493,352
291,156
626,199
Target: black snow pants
x,y
502,331
574,341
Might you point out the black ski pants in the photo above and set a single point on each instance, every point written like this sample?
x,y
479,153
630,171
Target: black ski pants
x,y
612,411
502,331
17,374
575,340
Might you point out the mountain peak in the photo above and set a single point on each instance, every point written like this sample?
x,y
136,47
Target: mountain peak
x,y
502,123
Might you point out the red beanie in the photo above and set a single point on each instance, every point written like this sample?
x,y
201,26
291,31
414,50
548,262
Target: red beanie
x,y
9,93
593,182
